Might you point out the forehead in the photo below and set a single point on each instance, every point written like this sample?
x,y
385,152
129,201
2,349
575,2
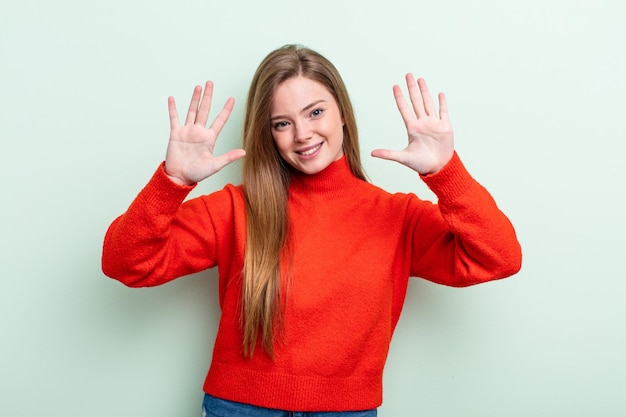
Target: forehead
x,y
297,92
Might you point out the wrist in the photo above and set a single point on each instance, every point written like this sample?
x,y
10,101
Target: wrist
x,y
176,179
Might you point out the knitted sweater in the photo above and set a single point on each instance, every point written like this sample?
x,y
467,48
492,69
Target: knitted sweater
x,y
354,248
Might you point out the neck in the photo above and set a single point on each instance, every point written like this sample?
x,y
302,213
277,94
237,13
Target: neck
x,y
334,181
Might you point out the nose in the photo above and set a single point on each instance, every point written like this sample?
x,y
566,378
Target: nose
x,y
302,132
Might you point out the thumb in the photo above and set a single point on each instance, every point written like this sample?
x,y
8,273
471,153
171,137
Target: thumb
x,y
229,157
387,154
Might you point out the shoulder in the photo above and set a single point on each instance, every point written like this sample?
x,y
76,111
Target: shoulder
x,y
397,202
230,195
221,208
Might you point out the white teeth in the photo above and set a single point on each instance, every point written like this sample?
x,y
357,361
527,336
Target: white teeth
x,y
310,151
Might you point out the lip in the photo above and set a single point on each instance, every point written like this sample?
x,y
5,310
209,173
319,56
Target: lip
x,y
309,148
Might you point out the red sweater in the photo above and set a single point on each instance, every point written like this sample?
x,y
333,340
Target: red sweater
x,y
355,247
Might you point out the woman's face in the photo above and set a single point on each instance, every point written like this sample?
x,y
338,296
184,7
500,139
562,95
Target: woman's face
x,y
306,125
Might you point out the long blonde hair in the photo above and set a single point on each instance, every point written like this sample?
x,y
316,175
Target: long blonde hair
x,y
266,179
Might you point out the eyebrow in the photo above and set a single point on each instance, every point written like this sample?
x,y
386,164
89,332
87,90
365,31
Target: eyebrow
x,y
307,107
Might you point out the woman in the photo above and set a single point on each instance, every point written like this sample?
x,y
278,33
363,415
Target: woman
x,y
313,260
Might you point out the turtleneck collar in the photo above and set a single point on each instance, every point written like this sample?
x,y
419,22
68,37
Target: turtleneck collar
x,y
336,180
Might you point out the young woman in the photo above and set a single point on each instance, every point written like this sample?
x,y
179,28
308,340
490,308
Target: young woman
x,y
313,260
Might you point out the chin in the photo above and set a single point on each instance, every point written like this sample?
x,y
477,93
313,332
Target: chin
x,y
311,167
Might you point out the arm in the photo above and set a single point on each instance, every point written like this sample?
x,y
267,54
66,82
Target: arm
x,y
465,239
159,238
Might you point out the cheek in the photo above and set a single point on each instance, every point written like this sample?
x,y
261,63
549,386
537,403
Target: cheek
x,y
340,129
280,139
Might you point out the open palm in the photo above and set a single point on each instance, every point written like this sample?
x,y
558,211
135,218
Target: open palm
x,y
430,138
190,158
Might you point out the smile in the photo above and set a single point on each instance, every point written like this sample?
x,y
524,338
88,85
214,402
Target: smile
x,y
309,151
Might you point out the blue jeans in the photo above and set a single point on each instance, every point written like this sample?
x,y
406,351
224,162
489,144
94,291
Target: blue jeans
x,y
216,407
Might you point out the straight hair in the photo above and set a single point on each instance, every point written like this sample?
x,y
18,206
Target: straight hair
x,y
266,178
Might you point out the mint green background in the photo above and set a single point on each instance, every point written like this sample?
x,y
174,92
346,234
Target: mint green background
x,y
536,94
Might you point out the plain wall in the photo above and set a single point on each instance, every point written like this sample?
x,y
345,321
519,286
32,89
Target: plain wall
x,y
536,96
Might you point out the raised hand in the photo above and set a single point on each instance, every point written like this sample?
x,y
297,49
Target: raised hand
x,y
431,142
190,157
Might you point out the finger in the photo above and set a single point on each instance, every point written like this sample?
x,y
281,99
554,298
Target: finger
x,y
193,106
429,105
229,157
388,155
171,106
403,107
415,96
443,107
223,116
205,104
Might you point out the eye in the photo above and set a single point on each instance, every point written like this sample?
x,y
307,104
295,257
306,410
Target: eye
x,y
280,125
317,112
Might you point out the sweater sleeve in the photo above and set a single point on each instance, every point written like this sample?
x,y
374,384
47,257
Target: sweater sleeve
x,y
159,237
464,239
